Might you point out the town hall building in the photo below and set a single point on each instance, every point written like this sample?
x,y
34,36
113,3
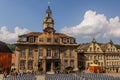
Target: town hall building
x,y
47,50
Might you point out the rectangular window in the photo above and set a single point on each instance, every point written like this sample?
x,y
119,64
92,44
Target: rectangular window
x,y
56,52
56,40
24,38
72,63
41,40
64,40
71,53
48,39
30,54
41,53
22,64
95,58
65,63
48,52
31,39
72,41
90,49
65,53
98,49
30,64
22,53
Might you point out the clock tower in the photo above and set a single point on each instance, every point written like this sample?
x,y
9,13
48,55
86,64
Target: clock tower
x,y
48,24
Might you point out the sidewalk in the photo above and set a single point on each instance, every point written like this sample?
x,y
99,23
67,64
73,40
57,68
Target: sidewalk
x,y
40,77
113,74
1,76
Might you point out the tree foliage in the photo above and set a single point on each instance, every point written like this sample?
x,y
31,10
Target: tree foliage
x,y
11,47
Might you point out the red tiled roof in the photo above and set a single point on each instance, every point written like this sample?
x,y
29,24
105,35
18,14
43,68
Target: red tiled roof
x,y
4,48
103,46
38,33
84,46
62,35
32,34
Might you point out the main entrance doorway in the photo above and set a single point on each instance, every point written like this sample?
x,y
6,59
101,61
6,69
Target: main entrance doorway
x,y
48,66
56,64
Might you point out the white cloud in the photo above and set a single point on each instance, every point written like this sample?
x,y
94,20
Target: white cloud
x,y
113,28
11,37
95,25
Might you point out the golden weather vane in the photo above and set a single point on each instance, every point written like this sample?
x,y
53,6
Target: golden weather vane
x,y
49,2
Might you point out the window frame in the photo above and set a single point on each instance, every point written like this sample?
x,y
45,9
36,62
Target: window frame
x,y
40,52
48,53
22,64
31,39
48,39
22,54
30,64
41,39
30,54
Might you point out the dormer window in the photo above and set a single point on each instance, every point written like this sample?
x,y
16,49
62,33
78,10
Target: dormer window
x,y
64,40
41,40
31,39
24,38
71,41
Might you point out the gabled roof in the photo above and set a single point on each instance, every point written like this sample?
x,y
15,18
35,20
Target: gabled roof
x,y
103,46
4,48
84,46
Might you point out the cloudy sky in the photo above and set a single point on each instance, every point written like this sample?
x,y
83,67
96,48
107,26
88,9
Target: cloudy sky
x,y
82,19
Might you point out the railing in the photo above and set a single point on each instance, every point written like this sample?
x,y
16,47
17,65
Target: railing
x,y
48,57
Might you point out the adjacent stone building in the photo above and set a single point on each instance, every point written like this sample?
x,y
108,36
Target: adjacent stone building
x,y
47,50
105,55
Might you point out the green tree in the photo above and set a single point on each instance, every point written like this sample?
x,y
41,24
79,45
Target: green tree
x,y
11,47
